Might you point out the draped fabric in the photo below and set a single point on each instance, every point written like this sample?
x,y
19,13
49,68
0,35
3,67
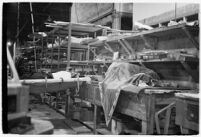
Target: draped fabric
x,y
118,76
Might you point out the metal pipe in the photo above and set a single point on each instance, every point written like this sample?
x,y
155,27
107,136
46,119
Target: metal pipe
x,y
58,65
32,20
18,23
52,54
49,81
69,39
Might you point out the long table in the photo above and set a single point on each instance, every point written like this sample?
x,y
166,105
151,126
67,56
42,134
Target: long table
x,y
142,106
39,86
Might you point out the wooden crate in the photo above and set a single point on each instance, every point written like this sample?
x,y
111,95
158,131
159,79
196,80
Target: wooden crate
x,y
143,106
187,112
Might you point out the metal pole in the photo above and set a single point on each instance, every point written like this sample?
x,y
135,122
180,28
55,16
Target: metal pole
x,y
175,17
69,39
133,18
69,44
17,44
59,52
52,54
41,51
32,20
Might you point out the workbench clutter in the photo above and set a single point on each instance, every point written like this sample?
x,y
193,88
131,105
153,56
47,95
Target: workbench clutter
x,y
117,76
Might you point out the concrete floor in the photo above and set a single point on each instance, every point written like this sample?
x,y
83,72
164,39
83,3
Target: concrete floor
x,y
42,111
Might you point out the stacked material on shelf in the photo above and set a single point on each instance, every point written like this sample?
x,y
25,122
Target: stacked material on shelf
x,y
118,76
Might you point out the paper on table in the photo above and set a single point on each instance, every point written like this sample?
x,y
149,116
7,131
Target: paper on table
x,y
61,74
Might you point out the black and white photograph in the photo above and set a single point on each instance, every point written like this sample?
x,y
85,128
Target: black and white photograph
x,y
100,68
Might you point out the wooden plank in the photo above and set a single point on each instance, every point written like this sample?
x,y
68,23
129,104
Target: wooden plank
x,y
12,66
108,47
167,121
77,127
144,127
95,118
150,105
104,131
132,105
194,96
128,46
52,81
122,44
101,130
40,127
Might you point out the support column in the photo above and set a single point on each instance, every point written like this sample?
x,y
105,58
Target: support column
x,y
116,16
67,104
58,67
69,43
52,54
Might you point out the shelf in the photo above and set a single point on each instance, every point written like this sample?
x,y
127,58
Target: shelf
x,y
176,30
77,28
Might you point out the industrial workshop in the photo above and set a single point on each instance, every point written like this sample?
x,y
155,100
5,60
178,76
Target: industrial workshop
x,y
100,68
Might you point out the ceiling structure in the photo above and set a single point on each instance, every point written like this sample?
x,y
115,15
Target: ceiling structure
x,y
42,12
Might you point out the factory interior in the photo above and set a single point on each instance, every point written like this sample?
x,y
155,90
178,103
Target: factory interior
x,y
100,68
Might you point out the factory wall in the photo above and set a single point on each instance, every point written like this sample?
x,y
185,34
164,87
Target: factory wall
x,y
159,13
81,13
100,13
146,13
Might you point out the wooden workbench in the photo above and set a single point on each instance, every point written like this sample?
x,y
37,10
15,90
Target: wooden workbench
x,y
141,106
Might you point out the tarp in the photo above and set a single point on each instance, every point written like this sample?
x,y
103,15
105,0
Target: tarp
x,y
119,76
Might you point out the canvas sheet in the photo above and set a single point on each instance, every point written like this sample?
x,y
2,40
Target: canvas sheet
x,y
118,76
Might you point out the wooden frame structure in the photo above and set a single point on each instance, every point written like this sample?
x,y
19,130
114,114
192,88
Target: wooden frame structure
x,y
146,107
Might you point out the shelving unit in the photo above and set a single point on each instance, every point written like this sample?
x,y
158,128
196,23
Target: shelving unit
x,y
181,67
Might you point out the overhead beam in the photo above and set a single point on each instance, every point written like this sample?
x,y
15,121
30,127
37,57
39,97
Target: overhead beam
x,y
128,46
122,44
73,33
108,47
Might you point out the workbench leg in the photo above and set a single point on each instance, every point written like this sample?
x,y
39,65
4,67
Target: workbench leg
x,y
144,128
184,131
167,121
57,100
150,114
67,104
95,120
